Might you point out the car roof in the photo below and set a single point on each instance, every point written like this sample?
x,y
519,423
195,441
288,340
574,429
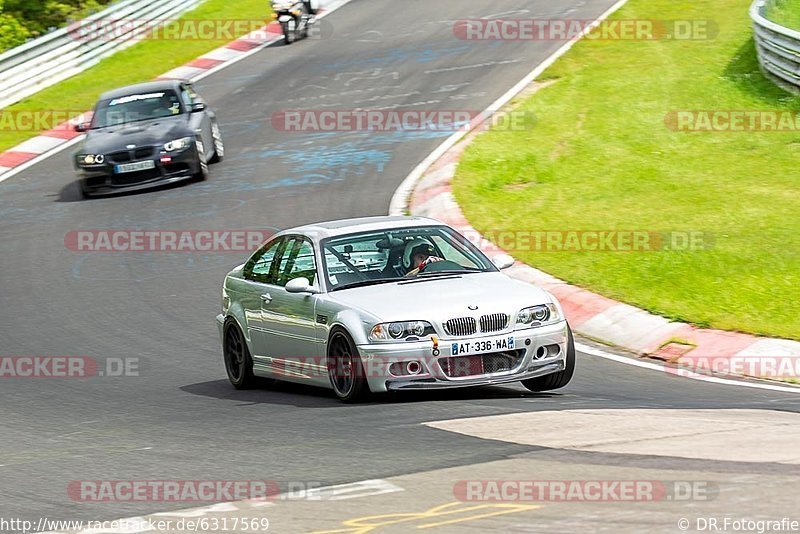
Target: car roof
x,y
148,87
323,230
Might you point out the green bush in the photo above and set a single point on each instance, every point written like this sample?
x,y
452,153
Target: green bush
x,y
12,33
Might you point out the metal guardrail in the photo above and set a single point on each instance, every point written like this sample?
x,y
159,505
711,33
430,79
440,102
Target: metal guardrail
x,y
778,47
54,57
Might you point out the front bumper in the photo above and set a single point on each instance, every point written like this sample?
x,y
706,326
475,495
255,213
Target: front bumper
x,y
99,180
378,358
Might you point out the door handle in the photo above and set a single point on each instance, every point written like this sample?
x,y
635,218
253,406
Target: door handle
x,y
266,298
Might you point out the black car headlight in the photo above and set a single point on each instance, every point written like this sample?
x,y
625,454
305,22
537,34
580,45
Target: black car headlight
x,y
401,331
177,145
539,315
90,159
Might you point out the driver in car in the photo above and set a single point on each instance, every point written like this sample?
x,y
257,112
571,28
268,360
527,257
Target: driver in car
x,y
422,255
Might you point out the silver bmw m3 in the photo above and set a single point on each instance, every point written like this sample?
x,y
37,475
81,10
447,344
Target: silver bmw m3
x,y
388,303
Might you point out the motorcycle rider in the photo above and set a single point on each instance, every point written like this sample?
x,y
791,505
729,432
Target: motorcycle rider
x,y
312,6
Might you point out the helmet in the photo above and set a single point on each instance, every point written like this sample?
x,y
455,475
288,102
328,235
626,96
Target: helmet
x,y
416,246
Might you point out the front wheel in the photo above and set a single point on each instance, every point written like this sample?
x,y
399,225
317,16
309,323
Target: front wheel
x,y
219,144
345,369
202,164
289,31
559,379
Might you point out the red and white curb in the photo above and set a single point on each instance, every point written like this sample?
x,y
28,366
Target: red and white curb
x,y
44,145
427,191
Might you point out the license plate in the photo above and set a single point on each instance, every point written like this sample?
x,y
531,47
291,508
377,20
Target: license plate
x,y
136,166
482,346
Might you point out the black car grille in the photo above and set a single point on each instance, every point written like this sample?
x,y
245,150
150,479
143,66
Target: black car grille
x,y
462,326
144,152
132,178
120,157
481,364
124,156
494,322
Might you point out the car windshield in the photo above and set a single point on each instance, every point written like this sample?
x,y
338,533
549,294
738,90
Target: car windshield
x,y
136,107
399,254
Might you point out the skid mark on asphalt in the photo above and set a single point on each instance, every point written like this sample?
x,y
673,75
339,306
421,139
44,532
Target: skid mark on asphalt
x,y
447,514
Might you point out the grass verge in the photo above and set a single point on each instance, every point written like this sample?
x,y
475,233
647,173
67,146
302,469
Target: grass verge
x,y
141,62
602,157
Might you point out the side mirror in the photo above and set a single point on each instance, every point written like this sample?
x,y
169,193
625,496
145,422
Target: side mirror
x,y
81,127
301,285
503,261
198,106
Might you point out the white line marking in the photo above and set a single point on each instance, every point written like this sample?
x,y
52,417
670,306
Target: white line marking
x,y
592,351
475,66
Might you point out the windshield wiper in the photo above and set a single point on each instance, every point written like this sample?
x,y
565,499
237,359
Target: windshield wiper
x,y
362,283
446,273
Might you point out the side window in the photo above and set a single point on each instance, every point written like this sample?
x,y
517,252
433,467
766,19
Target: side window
x,y
297,262
260,266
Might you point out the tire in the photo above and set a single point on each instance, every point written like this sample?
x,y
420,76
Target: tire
x,y
219,144
559,379
289,34
236,355
345,370
202,174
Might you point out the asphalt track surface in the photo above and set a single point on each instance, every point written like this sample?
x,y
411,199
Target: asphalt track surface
x,y
180,419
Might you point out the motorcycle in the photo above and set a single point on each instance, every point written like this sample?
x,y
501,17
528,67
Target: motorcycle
x,y
295,18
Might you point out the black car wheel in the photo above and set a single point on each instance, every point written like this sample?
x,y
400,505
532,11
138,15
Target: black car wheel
x,y
219,145
238,363
202,173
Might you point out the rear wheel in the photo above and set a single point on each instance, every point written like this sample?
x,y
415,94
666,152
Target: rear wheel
x,y
559,379
238,363
345,369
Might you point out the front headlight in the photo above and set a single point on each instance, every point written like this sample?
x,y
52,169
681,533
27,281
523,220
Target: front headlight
x,y
538,315
91,159
401,331
178,144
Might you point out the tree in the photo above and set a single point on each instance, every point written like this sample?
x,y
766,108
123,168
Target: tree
x,y
12,32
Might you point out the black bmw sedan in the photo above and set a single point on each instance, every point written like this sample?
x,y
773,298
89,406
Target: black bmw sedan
x,y
147,135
